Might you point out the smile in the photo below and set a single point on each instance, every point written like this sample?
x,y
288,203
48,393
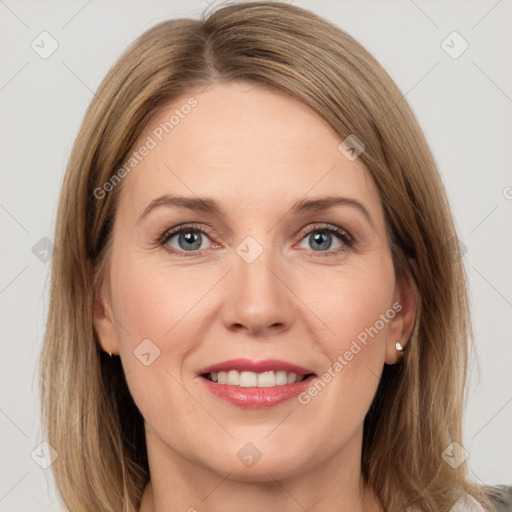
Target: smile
x,y
255,384
247,379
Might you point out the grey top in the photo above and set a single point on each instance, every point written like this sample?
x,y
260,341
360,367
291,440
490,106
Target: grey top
x,y
501,496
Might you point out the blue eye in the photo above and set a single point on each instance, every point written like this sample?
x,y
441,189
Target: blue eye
x,y
190,240
321,238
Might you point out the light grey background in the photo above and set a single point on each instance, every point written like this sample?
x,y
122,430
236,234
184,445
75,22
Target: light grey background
x,y
463,104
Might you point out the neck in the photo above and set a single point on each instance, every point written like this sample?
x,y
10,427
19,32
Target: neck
x,y
178,485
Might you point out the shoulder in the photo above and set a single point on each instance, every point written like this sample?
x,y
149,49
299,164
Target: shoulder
x,y
500,496
467,504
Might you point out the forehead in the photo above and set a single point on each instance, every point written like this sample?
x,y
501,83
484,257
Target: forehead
x,y
246,145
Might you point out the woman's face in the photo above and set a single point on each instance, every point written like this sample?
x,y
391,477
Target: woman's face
x,y
269,281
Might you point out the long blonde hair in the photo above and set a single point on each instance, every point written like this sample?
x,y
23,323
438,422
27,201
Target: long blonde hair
x,y
88,413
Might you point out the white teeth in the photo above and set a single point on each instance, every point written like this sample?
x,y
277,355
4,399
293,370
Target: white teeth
x,y
291,377
248,379
253,380
281,378
233,378
266,380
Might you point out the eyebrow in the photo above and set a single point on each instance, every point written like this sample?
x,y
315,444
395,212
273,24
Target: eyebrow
x,y
207,205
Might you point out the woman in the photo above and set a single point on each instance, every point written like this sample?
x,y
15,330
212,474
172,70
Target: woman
x,y
259,305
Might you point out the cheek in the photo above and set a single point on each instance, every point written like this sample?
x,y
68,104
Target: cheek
x,y
352,303
160,316
152,302
362,318
355,308
152,307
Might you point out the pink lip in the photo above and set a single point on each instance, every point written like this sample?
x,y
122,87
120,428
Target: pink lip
x,y
247,365
256,398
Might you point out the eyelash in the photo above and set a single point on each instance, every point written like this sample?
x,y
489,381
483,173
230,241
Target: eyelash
x,y
347,239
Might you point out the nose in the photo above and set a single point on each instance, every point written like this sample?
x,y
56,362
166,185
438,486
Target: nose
x,y
258,299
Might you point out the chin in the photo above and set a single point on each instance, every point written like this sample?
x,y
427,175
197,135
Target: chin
x,y
260,460
262,471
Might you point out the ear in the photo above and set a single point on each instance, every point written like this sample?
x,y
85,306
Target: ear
x,y
103,319
401,326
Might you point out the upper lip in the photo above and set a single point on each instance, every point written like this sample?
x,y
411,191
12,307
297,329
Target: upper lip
x,y
249,365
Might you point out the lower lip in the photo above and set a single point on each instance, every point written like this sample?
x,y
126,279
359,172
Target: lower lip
x,y
256,398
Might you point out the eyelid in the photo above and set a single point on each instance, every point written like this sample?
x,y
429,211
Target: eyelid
x,y
169,233
331,228
345,237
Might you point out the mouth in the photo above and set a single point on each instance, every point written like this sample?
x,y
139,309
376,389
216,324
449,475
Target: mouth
x,y
247,379
256,384
247,373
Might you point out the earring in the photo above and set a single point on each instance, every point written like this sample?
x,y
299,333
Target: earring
x,y
399,347
110,354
